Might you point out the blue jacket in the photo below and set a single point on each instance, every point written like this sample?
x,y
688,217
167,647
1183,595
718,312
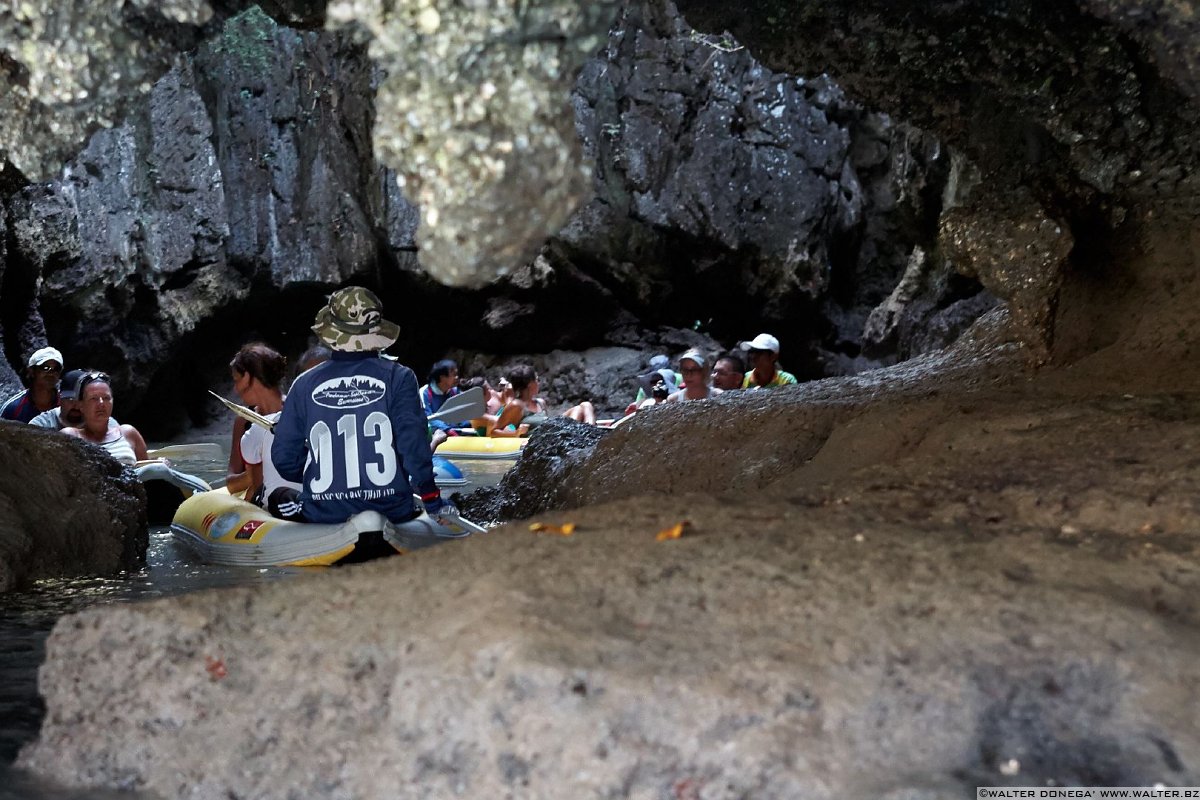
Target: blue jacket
x,y
351,432
432,400
20,407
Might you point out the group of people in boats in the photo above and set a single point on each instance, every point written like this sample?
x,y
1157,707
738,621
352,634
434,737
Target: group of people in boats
x,y
354,433
694,381
78,402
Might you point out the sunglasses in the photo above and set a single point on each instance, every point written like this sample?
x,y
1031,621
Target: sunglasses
x,y
48,368
93,377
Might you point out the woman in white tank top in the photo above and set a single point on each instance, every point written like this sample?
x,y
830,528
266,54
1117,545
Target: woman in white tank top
x,y
124,443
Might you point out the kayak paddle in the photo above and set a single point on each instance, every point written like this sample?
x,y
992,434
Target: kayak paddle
x,y
463,406
245,413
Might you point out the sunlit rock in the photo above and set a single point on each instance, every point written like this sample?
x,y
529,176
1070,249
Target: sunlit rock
x,y
1018,253
474,113
67,69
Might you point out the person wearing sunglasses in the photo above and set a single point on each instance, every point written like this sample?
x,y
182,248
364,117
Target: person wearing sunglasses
x,y
41,378
69,412
124,442
729,372
695,378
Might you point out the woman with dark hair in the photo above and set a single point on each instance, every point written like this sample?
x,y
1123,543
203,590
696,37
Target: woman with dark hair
x,y
258,372
123,442
525,410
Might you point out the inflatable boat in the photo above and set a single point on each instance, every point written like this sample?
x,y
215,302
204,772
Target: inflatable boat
x,y
221,529
446,474
481,447
166,488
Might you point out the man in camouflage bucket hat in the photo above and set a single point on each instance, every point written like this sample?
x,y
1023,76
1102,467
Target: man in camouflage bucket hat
x,y
352,430
353,322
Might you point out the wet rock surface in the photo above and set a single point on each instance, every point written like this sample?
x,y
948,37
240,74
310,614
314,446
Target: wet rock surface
x,y
534,481
66,509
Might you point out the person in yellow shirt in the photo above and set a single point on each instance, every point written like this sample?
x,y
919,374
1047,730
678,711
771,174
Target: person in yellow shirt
x,y
764,359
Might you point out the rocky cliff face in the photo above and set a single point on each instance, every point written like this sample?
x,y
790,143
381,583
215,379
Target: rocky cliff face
x,y
727,198
1078,117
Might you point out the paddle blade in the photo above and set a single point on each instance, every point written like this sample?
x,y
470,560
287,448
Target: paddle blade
x,y
245,413
194,450
463,406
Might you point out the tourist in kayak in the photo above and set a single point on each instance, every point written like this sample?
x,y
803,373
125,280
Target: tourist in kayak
x,y
317,354
41,376
124,442
69,413
695,378
353,430
258,371
442,385
764,358
729,372
525,410
647,380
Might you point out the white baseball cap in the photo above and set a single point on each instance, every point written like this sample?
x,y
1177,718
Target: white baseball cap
x,y
694,355
764,341
43,355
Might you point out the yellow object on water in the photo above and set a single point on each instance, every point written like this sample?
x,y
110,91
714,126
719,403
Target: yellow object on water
x,y
481,447
222,529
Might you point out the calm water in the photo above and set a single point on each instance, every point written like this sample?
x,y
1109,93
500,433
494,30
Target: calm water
x,y
27,617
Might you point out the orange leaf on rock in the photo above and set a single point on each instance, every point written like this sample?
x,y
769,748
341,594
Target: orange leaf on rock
x,y
673,532
566,529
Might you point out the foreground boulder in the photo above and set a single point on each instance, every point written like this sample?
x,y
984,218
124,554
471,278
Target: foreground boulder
x,y
66,509
976,580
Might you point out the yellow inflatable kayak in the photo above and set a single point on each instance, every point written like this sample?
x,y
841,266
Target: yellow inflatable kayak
x,y
222,529
481,447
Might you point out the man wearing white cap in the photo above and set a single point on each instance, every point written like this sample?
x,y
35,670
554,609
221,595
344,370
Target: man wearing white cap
x,y
764,355
41,377
695,378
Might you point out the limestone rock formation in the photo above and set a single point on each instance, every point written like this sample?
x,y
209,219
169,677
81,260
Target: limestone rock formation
x,y
1018,253
86,516
1088,106
251,164
730,192
68,69
473,113
251,174
890,605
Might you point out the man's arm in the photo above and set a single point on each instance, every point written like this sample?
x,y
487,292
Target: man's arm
x,y
410,428
290,448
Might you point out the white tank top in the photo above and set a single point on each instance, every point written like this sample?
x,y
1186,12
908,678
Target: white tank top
x,y
121,450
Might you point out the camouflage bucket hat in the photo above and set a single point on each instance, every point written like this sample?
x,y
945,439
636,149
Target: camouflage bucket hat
x,y
353,322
